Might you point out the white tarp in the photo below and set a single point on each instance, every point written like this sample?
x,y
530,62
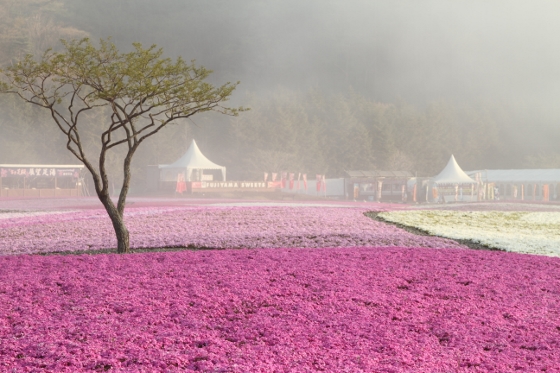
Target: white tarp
x,y
551,175
193,159
452,174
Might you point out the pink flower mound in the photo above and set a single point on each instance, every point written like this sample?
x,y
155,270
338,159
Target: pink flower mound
x,y
285,310
210,227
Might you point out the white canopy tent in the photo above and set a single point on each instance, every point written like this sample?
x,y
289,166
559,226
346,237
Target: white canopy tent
x,y
449,183
192,160
452,174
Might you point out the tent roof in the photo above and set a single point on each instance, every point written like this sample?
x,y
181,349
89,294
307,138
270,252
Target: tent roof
x,y
193,159
452,174
520,176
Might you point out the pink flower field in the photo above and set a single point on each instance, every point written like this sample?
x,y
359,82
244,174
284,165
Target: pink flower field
x,y
283,310
207,227
293,289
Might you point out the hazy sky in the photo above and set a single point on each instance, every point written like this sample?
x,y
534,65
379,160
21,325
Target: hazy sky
x,y
491,51
416,49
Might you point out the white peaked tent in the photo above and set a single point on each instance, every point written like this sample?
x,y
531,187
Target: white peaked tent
x,y
452,174
193,159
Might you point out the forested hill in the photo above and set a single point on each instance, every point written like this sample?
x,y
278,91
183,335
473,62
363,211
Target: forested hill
x,y
331,87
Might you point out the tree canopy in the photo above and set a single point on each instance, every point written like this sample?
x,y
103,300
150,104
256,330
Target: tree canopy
x,y
131,95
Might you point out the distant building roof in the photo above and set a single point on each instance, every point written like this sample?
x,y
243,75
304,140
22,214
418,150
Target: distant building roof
x,y
376,173
42,165
519,176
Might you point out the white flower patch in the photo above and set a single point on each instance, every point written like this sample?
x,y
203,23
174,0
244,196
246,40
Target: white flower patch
x,y
522,232
7,214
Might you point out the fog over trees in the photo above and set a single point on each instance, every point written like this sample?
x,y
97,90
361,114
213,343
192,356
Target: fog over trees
x,y
332,85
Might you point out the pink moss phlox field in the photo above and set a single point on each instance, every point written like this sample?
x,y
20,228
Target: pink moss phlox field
x,y
210,227
285,310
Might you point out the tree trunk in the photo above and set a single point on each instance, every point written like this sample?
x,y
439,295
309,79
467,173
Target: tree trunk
x,y
123,240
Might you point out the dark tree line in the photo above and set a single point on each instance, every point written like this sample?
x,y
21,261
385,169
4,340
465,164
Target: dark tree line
x,y
310,133
316,133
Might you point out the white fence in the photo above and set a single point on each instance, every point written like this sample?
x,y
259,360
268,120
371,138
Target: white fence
x,y
334,188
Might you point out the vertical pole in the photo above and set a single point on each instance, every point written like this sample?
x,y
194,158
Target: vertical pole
x,y
456,192
379,190
534,192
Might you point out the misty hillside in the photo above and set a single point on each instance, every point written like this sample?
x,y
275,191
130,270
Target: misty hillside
x,y
332,85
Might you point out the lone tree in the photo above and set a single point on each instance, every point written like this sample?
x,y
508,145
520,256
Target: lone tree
x,y
139,91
